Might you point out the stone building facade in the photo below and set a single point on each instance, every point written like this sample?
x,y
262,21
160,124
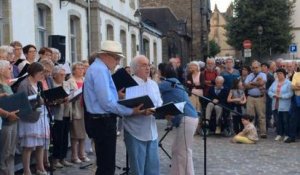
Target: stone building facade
x,y
218,32
197,14
83,23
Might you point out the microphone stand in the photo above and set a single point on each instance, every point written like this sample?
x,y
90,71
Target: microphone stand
x,y
205,126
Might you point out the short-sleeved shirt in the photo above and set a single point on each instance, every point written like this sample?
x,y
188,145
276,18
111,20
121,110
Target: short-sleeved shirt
x,y
252,78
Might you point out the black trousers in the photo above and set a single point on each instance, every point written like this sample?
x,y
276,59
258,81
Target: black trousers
x,y
60,132
105,138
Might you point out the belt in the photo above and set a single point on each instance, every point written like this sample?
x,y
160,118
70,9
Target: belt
x,y
99,116
256,96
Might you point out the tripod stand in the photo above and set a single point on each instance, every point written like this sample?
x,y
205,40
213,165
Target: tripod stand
x,y
160,142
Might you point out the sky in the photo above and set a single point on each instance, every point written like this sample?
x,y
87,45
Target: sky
x,y
222,4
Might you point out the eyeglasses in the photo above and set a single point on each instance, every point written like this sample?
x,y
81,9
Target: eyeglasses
x,y
144,66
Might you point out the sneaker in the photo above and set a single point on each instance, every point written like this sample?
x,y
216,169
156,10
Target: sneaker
x,y
76,161
289,140
218,130
85,159
285,138
39,172
66,163
278,138
58,165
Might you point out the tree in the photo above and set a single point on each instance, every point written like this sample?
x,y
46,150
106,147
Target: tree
x,y
274,16
214,48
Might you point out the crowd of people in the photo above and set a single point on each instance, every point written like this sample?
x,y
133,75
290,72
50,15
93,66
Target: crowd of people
x,y
260,96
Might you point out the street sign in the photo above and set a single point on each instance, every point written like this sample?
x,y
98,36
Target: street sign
x,y
247,44
247,53
293,48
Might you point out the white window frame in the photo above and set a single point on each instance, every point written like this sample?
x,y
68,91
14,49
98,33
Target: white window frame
x,y
1,22
42,28
73,39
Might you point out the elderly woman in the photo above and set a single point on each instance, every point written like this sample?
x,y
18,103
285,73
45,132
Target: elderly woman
x,y
186,123
34,136
8,136
78,132
281,93
55,56
194,84
61,125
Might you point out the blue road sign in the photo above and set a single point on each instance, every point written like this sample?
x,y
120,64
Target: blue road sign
x,y
293,48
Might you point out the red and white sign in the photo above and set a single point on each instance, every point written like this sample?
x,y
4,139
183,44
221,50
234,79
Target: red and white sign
x,y
247,44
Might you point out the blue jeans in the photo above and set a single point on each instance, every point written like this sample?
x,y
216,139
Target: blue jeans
x,y
143,155
294,121
282,125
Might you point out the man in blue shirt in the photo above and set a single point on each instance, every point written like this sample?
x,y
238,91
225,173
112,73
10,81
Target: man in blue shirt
x,y
102,108
229,74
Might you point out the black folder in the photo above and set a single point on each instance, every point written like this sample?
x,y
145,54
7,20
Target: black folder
x,y
15,102
134,102
166,109
122,79
55,94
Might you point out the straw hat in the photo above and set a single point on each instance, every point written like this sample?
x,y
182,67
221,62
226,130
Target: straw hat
x,y
112,47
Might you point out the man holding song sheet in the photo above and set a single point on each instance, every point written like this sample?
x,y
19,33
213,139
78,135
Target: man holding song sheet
x,y
100,97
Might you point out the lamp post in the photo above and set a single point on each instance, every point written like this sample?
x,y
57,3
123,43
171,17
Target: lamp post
x,y
138,16
260,31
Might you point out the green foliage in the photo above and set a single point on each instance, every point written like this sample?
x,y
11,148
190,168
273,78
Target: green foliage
x,y
275,18
214,48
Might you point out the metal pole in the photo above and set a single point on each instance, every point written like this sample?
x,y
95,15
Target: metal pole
x,y
259,47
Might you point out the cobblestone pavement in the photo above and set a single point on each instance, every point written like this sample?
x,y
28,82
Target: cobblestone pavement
x,y
223,158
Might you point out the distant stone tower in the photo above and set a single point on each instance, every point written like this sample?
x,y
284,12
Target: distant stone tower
x,y
197,15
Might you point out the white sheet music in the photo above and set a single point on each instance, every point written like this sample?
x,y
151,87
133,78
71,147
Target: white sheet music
x,y
75,94
136,91
16,79
180,106
32,97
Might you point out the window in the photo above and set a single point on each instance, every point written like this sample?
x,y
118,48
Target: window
x,y
75,39
155,53
1,22
133,45
43,25
124,45
110,32
42,31
146,48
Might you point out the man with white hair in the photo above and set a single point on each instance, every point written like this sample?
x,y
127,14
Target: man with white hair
x,y
255,83
218,95
140,132
209,75
102,108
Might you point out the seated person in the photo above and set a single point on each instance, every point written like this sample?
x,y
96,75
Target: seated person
x,y
249,133
218,95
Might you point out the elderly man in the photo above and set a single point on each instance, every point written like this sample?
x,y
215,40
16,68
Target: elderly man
x,y
140,132
209,75
255,83
102,108
229,74
218,95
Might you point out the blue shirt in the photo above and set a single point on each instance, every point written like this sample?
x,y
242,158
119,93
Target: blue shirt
x,y
229,77
251,78
177,94
100,93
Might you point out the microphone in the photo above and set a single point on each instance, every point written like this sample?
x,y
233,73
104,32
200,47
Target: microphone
x,y
173,83
40,89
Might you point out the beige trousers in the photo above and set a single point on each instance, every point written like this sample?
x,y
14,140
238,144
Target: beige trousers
x,y
182,154
195,101
258,106
209,109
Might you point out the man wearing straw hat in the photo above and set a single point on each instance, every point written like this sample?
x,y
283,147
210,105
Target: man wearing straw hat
x,y
100,97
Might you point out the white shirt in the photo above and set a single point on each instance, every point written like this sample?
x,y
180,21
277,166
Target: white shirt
x,y
144,127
